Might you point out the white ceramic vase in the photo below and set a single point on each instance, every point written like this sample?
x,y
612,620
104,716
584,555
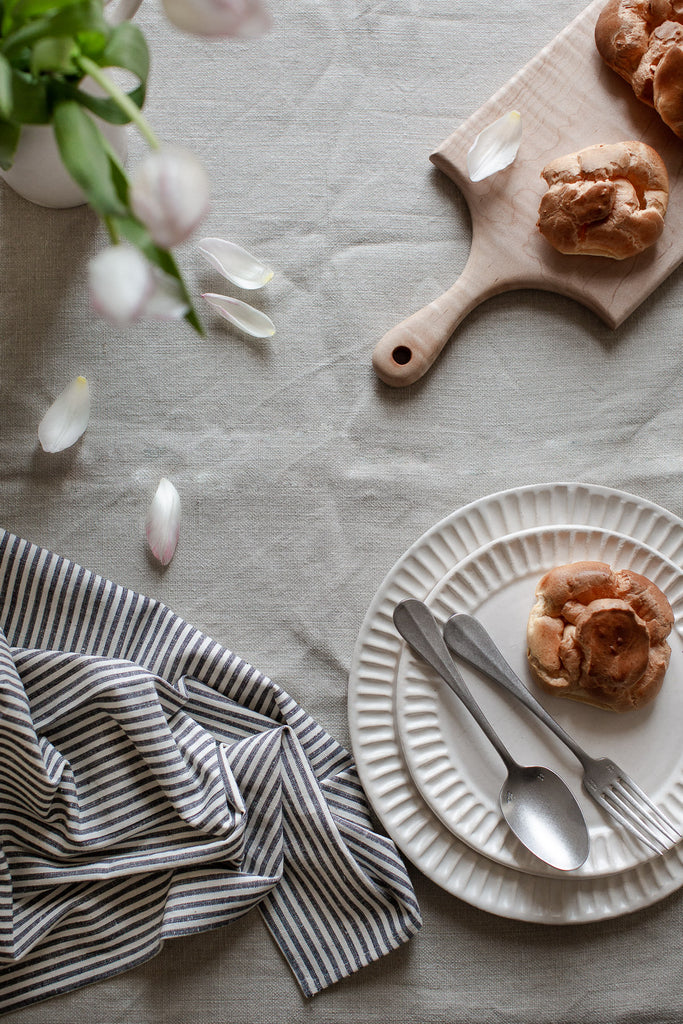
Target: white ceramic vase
x,y
38,173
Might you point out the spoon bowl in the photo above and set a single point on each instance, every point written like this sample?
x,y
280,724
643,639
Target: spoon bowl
x,y
538,807
541,811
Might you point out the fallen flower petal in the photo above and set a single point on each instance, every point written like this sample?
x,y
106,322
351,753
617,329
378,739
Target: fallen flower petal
x,y
169,193
495,147
251,321
163,522
121,281
244,18
235,263
66,419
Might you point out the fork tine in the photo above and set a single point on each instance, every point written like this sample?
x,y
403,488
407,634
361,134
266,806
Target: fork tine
x,y
650,819
633,824
665,824
634,811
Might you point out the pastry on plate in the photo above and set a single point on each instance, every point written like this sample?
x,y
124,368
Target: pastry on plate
x,y
599,635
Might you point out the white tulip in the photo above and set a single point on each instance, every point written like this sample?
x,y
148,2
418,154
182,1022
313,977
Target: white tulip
x,y
125,287
66,419
169,194
121,282
219,17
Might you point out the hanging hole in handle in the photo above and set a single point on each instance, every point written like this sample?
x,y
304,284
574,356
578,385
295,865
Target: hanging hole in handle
x,y
402,355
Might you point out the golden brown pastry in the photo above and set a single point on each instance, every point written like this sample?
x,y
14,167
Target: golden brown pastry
x,y
605,200
642,40
599,636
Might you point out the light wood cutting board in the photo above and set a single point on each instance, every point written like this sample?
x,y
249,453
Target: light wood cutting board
x,y
568,99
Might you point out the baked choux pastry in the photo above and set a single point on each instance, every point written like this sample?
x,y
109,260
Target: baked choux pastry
x,y
599,636
642,40
605,200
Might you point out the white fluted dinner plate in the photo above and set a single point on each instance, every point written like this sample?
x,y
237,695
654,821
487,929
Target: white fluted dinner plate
x,y
418,831
453,765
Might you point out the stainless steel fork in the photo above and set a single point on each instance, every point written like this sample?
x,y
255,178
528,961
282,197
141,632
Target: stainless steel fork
x,y
603,780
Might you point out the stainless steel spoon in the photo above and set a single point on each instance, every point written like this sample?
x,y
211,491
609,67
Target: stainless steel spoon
x,y
538,807
603,780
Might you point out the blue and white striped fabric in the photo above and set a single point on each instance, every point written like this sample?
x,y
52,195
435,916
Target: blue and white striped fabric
x,y
152,784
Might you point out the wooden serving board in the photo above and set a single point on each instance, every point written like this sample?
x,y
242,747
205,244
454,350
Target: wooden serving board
x,y
568,99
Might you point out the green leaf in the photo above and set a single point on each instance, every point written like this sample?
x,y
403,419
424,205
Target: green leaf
x,y
126,48
5,88
85,156
139,236
29,99
84,16
9,137
118,175
132,230
91,43
103,106
7,22
26,10
15,41
54,55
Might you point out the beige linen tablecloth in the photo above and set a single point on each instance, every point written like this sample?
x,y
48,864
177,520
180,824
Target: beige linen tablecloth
x,y
302,479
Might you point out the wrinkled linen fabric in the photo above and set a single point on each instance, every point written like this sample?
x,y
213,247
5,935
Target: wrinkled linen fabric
x,y
303,480
153,784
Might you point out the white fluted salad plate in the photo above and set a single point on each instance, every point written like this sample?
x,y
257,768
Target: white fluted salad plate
x,y
453,765
396,799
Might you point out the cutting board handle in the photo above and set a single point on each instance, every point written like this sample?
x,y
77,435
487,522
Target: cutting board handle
x,y
406,352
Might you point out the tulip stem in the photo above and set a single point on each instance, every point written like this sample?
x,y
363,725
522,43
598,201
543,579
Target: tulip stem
x,y
120,98
114,236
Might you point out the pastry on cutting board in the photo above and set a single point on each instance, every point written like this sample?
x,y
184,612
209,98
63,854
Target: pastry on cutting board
x,y
642,40
599,635
605,200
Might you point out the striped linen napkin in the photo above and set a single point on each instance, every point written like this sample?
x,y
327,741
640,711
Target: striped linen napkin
x,y
152,784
